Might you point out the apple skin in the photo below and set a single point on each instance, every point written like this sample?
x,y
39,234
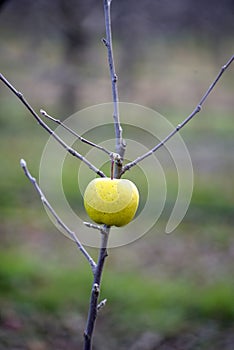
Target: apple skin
x,y
113,202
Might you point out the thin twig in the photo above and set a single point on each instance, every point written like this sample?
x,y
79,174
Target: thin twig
x,y
82,139
48,129
180,126
101,304
95,227
120,144
93,305
59,221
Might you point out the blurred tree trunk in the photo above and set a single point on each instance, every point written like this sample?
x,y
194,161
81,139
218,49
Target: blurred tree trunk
x,y
2,2
74,46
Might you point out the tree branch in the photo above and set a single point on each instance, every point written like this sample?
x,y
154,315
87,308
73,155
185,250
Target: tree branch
x,y
82,139
95,227
180,126
59,221
93,305
48,129
120,144
116,159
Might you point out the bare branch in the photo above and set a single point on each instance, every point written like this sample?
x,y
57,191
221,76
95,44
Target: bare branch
x,y
180,126
120,144
93,305
59,221
82,139
48,129
117,160
95,227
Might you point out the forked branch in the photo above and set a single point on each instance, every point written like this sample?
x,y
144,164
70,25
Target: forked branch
x,y
181,125
48,129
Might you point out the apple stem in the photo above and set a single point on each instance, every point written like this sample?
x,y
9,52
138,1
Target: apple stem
x,y
112,168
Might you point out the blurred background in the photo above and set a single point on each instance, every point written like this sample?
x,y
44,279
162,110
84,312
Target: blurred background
x,y
164,291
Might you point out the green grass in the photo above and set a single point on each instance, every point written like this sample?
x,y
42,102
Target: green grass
x,y
167,305
46,287
134,300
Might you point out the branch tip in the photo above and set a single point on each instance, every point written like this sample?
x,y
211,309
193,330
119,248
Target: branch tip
x,y
70,233
82,139
48,129
23,163
197,109
101,304
100,228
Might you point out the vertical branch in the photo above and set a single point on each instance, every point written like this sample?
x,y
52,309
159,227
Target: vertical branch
x,y
116,171
93,305
120,144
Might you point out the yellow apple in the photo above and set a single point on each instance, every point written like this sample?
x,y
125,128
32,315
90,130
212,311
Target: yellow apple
x,y
113,202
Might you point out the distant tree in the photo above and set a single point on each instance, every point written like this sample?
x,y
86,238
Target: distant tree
x,y
71,23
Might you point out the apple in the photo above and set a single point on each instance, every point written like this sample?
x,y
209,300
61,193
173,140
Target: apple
x,y
113,202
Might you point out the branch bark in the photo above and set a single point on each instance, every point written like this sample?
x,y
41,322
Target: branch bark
x,y
59,221
94,306
48,129
181,125
120,144
82,139
117,160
